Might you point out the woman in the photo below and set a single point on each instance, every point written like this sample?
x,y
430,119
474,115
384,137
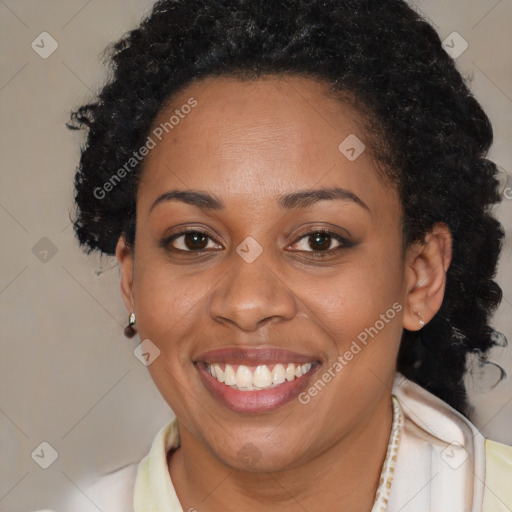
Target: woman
x,y
298,197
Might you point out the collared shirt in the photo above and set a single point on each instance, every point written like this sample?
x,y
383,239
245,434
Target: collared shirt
x,y
436,461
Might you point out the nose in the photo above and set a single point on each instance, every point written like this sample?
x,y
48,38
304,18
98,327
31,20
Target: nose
x,y
251,295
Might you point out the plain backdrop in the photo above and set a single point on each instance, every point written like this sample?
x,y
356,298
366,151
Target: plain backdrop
x,y
68,376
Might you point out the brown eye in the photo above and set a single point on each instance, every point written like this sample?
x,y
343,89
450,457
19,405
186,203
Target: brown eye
x,y
195,241
319,241
189,241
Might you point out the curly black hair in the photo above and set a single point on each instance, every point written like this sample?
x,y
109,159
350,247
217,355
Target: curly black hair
x,y
434,136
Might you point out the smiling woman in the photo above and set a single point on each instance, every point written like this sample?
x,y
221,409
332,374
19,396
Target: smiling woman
x,y
296,250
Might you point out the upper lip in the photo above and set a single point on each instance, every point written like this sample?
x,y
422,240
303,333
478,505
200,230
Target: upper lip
x,y
253,356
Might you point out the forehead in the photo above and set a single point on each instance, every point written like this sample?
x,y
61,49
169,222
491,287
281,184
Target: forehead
x,y
249,139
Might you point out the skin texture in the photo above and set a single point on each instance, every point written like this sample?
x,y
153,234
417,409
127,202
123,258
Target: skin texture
x,y
247,143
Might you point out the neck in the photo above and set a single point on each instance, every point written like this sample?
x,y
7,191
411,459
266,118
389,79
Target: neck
x,y
344,477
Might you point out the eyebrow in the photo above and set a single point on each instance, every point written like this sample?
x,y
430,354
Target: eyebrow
x,y
294,200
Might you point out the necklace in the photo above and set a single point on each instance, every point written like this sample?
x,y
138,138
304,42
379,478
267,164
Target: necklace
x,y
388,468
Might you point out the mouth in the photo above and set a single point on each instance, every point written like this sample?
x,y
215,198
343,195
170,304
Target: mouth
x,y
255,380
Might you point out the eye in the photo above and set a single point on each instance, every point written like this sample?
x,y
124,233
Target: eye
x,y
320,240
189,241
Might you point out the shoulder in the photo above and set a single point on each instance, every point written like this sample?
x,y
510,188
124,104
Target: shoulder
x,y
447,453
112,491
498,476
499,454
116,491
108,490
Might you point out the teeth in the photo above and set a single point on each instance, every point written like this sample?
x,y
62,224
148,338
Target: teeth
x,y
229,375
243,377
260,377
305,368
219,374
278,374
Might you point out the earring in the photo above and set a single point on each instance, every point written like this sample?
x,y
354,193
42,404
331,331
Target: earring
x,y
129,330
422,323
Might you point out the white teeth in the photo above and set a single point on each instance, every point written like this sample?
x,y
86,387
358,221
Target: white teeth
x,y
243,377
260,377
290,371
219,374
305,368
278,374
229,375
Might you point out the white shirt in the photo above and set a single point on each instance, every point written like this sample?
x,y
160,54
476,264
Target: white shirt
x,y
440,466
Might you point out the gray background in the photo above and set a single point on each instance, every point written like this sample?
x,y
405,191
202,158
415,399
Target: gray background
x,y
68,376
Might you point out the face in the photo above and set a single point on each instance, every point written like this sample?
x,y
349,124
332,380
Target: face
x,y
259,276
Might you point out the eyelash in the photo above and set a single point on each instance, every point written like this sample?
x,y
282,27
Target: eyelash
x,y
344,243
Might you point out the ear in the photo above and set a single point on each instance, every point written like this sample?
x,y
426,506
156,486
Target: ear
x,y
426,265
125,258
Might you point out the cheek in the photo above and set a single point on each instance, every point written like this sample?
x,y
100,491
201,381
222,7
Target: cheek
x,y
167,300
361,304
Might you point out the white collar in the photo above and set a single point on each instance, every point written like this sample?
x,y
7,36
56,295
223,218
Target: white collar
x,y
441,462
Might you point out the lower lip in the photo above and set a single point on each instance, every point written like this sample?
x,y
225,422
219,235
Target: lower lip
x,y
255,402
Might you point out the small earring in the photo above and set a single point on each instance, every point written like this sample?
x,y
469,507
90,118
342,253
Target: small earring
x,y
129,330
422,323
